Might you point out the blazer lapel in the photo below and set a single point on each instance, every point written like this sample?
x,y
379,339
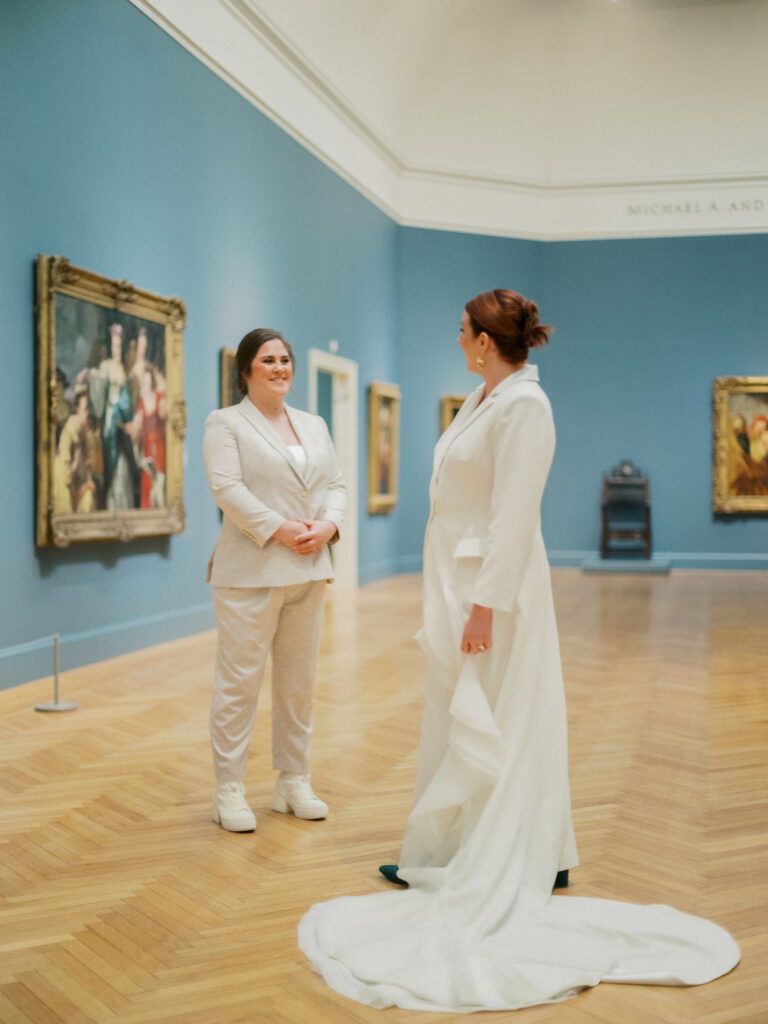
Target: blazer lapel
x,y
304,430
300,426
270,435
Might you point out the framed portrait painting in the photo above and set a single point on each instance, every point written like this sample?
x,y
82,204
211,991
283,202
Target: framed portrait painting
x,y
383,446
740,444
449,406
110,409
229,393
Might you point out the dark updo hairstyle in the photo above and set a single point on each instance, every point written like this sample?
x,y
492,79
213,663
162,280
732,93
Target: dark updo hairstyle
x,y
247,349
510,320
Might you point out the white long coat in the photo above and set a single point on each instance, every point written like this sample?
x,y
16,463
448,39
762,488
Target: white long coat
x,y
478,928
484,546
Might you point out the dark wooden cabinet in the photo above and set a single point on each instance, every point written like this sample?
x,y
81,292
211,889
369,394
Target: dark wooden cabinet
x,y
626,512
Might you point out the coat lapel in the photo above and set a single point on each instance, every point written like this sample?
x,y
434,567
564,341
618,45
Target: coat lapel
x,y
475,409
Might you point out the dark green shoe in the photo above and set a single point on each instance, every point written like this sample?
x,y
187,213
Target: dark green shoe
x,y
561,880
390,873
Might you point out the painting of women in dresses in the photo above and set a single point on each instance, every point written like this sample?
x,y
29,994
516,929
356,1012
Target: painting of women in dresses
x,y
74,486
109,409
147,431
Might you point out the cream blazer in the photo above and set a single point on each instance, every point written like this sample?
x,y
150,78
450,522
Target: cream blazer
x,y
256,484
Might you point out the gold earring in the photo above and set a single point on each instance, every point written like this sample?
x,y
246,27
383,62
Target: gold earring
x,y
480,362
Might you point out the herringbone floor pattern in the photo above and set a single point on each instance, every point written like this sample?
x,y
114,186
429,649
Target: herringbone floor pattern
x,y
121,902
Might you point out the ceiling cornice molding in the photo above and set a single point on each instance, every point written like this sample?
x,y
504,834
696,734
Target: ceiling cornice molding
x,y
565,187
579,214
266,33
245,49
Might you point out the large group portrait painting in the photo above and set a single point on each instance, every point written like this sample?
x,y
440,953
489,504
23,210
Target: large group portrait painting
x,y
110,411
740,444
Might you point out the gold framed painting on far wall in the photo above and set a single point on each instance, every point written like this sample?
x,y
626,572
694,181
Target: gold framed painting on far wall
x,y
449,406
110,409
383,446
229,393
740,445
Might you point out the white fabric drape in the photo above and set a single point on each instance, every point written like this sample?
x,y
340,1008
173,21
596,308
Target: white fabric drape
x,y
478,929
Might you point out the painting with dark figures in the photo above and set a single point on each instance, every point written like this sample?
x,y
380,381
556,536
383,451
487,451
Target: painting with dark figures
x,y
383,450
229,393
449,407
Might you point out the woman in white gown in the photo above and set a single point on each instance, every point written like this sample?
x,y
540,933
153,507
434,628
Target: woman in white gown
x,y
478,927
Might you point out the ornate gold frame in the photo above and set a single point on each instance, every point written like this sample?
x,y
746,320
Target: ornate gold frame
x,y
228,393
55,276
382,489
725,450
449,406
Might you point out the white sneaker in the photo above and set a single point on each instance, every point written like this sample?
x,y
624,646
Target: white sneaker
x,y
230,809
293,794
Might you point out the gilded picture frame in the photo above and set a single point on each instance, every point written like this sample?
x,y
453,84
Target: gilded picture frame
x,y
110,411
449,406
740,445
383,446
229,393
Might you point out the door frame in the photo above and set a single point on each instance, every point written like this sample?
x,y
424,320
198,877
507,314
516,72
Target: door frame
x,y
344,402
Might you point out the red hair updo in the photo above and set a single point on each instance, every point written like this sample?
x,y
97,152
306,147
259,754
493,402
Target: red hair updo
x,y
511,320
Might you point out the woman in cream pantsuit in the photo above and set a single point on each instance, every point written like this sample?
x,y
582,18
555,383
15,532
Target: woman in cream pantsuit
x,y
478,927
273,472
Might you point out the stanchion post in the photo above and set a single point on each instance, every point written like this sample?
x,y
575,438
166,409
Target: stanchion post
x,y
56,704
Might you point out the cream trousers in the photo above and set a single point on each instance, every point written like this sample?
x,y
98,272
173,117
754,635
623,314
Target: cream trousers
x,y
251,623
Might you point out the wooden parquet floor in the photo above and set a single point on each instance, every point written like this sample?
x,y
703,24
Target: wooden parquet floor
x,y
120,900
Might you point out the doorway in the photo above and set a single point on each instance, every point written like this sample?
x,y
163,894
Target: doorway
x,y
333,395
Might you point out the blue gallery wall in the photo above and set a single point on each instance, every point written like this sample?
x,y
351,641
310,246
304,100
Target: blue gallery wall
x,y
124,153
642,328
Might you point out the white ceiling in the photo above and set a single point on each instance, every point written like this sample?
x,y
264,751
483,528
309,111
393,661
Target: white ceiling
x,y
538,118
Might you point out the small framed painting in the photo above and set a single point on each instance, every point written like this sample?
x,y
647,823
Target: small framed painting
x,y
740,445
110,409
383,446
449,406
229,393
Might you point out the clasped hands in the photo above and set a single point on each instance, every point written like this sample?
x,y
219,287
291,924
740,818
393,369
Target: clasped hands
x,y
305,536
